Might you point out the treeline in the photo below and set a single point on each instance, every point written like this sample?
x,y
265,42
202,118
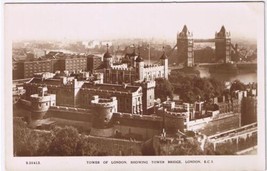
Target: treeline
x,y
58,142
192,88
204,55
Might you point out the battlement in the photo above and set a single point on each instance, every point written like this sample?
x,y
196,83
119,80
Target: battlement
x,y
47,97
40,103
42,95
106,91
149,84
70,109
101,102
103,110
122,69
176,114
138,117
152,68
152,65
121,66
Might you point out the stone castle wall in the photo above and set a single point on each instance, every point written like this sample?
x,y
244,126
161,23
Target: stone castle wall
x,y
110,146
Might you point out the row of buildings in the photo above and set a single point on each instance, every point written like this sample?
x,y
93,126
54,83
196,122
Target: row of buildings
x,y
55,61
59,61
131,68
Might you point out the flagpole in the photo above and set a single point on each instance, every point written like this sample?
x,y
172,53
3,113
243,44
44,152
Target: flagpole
x,y
149,53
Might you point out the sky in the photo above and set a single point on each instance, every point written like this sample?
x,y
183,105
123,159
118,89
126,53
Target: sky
x,y
113,21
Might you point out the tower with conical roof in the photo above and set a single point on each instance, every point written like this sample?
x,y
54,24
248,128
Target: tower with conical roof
x,y
185,47
139,66
133,56
107,58
222,45
164,62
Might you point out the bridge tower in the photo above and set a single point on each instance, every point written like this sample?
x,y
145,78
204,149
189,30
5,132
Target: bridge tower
x,y
185,47
223,45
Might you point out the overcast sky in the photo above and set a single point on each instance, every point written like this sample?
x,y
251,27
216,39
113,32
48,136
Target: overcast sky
x,y
108,21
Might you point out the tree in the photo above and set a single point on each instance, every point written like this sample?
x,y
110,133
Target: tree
x,y
85,148
65,142
190,88
209,149
163,89
44,141
237,85
25,143
189,147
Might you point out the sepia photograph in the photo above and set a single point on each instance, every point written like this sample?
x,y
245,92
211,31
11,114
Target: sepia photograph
x,y
127,85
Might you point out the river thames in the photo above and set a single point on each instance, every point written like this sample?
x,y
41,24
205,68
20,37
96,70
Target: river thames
x,y
243,77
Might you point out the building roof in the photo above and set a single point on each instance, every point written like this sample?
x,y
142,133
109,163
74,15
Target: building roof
x,y
107,54
126,58
53,53
45,81
134,53
222,29
185,30
163,56
139,58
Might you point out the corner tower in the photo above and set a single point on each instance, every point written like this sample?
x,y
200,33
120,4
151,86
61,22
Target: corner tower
x,y
103,110
164,62
107,58
185,47
139,67
40,103
223,45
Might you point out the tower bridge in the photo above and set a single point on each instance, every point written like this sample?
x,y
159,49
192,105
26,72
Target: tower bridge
x,y
185,46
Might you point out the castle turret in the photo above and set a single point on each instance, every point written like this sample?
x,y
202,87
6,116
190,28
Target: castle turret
x,y
140,67
103,111
40,103
223,45
174,119
164,62
148,97
133,56
107,58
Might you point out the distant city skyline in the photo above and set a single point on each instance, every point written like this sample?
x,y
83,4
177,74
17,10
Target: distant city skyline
x,y
133,20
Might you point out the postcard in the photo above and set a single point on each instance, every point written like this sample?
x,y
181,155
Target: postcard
x,y
150,86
